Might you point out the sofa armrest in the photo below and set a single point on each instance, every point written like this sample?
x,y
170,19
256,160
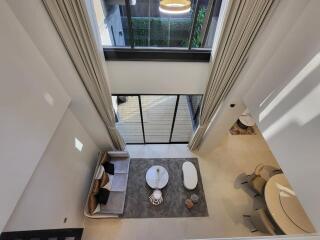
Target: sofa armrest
x,y
120,154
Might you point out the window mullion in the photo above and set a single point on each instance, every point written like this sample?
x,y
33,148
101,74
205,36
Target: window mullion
x,y
130,29
141,117
207,22
174,117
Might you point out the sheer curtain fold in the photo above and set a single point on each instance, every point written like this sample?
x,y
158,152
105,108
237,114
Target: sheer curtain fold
x,y
243,22
73,26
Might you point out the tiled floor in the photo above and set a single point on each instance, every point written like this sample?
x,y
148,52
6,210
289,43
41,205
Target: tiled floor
x,y
226,201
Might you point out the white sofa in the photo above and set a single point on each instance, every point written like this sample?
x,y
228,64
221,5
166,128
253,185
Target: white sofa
x,y
117,196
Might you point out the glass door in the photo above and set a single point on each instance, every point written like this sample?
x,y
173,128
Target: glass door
x,y
128,118
182,129
147,119
158,112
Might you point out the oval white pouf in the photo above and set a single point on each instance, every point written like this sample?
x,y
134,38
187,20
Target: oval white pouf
x,y
190,176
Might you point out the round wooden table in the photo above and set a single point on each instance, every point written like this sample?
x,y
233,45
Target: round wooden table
x,y
285,208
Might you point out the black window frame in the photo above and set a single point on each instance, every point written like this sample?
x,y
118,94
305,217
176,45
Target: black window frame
x,y
188,54
156,54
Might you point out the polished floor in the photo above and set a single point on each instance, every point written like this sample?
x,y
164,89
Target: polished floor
x,y
226,201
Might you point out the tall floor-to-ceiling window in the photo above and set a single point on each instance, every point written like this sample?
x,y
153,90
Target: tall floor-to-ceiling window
x,y
158,29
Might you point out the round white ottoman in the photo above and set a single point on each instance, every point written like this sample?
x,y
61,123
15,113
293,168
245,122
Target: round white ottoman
x,y
190,176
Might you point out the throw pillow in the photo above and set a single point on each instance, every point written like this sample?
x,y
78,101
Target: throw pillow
x,y
99,172
97,209
109,184
104,158
109,167
93,206
102,196
96,186
104,179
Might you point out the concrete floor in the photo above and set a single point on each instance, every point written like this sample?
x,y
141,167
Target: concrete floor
x,y
226,201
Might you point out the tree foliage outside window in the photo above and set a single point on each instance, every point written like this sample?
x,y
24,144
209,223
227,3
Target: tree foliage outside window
x,y
196,41
166,32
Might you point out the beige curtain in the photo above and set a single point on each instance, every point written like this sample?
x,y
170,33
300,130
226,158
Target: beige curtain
x,y
73,26
242,24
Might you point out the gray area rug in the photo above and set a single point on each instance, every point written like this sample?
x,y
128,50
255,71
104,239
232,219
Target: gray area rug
x,y
137,203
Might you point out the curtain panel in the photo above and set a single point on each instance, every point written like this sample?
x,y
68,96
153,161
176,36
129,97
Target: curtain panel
x,y
243,22
73,26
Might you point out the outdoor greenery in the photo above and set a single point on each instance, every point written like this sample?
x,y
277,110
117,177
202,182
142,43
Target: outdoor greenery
x,y
196,41
140,31
166,32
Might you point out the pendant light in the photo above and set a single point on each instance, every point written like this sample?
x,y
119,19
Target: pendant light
x,y
175,6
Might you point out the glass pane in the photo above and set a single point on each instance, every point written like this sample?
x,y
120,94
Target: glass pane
x,y
158,111
154,28
112,21
185,121
195,102
128,119
206,23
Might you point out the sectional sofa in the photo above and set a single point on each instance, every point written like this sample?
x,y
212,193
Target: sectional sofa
x,y
106,186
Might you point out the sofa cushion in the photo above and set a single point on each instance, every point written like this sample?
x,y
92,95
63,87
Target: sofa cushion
x,y
119,182
121,166
102,196
96,186
115,203
109,167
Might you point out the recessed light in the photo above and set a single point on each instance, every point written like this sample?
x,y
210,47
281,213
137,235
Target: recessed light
x,y
77,144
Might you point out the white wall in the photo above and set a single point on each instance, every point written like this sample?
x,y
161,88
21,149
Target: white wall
x,y
157,77
277,25
283,73
60,183
32,102
37,23
285,102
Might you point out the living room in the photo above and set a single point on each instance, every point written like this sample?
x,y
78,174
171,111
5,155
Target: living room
x,y
51,119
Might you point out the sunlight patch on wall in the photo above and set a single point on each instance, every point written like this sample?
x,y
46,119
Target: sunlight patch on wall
x,y
298,101
307,70
49,99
